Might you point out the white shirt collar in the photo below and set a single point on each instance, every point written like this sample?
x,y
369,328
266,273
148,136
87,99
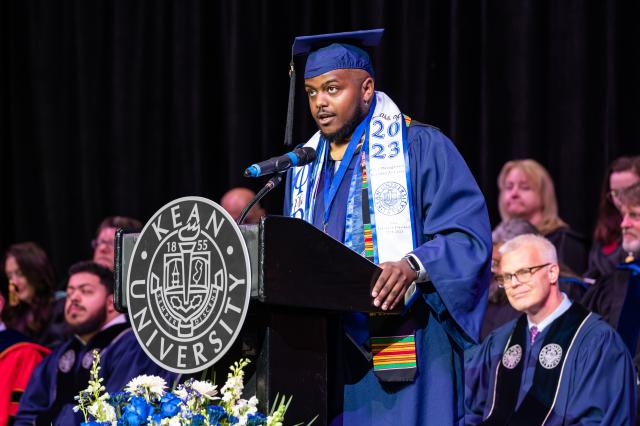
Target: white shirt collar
x,y
2,326
120,319
561,309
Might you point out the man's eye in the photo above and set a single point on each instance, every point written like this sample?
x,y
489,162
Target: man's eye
x,y
332,89
311,93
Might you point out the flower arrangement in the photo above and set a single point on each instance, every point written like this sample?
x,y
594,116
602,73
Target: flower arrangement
x,y
146,401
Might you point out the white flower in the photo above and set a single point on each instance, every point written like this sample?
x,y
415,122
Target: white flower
x,y
102,411
175,421
154,384
232,389
205,388
181,393
253,403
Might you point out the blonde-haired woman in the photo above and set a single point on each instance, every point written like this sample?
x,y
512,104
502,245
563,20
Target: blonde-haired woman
x,y
527,192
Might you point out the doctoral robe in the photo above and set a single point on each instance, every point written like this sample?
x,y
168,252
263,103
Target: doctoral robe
x,y
597,384
122,360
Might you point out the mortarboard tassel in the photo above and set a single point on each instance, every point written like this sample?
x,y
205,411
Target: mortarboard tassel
x,y
288,133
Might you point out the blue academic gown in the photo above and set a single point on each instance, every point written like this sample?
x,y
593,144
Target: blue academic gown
x,y
597,385
454,245
120,362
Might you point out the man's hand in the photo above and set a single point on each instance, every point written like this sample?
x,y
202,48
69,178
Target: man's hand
x,y
392,284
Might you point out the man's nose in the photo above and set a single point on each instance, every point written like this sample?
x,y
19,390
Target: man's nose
x,y
321,100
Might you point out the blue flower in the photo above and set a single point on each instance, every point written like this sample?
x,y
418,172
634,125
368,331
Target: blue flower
x,y
233,420
137,411
157,418
257,419
197,420
216,413
170,408
169,396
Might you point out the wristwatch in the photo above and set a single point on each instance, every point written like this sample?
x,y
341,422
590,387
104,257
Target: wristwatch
x,y
413,264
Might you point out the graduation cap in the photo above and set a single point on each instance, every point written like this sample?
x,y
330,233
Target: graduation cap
x,y
328,52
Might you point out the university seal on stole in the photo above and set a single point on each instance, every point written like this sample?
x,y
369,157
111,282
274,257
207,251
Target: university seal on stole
x,y
512,357
550,356
189,285
390,198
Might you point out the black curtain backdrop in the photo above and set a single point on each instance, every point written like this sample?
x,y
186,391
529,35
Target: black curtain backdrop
x,y
117,107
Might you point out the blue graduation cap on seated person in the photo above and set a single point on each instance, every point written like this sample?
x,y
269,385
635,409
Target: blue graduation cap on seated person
x,y
328,52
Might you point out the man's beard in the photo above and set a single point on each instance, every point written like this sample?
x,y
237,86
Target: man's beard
x,y
93,323
347,129
631,245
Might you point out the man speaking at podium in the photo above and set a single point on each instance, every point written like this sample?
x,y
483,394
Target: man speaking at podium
x,y
398,192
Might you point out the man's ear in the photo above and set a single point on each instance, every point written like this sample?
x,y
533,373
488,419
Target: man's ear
x,y
110,307
554,272
368,89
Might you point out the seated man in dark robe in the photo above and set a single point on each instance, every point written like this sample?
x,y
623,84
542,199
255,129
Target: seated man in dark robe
x,y
89,311
617,296
555,364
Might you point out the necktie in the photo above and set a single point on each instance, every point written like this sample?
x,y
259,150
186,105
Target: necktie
x,y
534,333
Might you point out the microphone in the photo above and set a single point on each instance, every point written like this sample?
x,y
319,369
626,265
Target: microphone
x,y
273,182
297,157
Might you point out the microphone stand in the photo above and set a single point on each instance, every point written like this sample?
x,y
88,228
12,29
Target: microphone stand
x,y
272,183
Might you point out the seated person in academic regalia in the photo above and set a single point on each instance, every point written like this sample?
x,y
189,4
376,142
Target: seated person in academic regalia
x,y
89,311
606,252
105,238
499,311
18,357
527,192
555,364
32,308
617,296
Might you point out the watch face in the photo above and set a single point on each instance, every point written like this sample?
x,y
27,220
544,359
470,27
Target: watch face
x,y
412,262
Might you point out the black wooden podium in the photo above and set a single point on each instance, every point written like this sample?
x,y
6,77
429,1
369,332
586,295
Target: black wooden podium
x,y
302,279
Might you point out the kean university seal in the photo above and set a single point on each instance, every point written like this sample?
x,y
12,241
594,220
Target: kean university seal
x,y
189,285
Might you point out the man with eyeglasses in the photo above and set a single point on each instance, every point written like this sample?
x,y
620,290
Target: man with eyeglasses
x,y
617,296
103,243
555,364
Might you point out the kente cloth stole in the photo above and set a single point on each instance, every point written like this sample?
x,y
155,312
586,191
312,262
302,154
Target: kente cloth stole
x,y
392,336
74,365
538,403
628,324
378,225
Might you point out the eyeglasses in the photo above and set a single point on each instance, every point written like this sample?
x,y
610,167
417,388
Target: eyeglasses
x,y
634,216
615,193
95,243
521,275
